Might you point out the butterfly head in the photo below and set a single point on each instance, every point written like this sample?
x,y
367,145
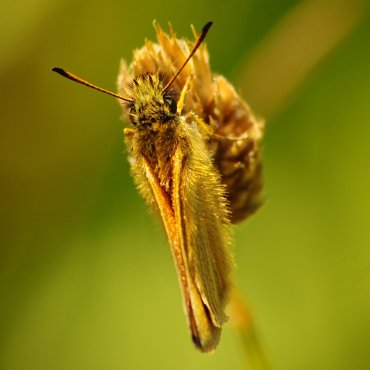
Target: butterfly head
x,y
149,102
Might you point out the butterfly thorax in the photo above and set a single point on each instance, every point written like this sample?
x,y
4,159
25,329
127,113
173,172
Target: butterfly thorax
x,y
158,143
150,102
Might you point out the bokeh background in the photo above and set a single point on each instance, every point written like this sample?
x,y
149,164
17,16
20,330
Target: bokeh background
x,y
86,276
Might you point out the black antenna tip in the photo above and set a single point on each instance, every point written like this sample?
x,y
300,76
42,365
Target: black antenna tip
x,y
204,32
206,27
61,71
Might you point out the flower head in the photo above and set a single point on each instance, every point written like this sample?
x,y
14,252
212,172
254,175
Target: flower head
x,y
237,132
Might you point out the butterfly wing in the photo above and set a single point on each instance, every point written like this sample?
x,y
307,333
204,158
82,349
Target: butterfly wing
x,y
201,220
195,218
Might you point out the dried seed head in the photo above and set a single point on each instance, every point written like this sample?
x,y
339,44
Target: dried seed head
x,y
215,101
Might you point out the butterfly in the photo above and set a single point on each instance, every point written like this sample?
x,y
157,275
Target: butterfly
x,y
193,147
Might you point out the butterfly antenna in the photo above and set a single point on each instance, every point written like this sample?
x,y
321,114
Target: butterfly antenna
x,y
72,77
200,39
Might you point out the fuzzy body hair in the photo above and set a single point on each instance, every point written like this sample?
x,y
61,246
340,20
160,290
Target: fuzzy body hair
x,y
174,172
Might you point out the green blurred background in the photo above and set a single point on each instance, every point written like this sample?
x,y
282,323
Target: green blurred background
x,y
86,276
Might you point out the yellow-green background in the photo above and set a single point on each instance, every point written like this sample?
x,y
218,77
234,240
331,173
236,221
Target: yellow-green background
x,y
86,276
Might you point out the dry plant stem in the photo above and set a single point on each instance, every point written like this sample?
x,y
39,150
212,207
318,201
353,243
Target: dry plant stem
x,y
213,138
302,39
243,324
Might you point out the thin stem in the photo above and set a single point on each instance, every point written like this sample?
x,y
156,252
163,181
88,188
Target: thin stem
x,y
242,321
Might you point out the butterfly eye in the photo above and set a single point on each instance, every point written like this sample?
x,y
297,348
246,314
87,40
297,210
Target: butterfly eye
x,y
171,102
